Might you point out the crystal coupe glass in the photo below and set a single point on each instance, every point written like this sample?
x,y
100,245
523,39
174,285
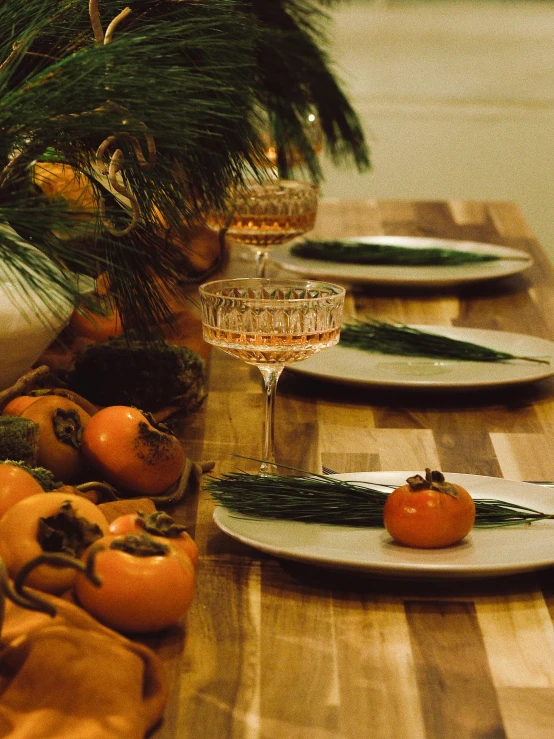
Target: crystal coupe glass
x,y
271,323
266,214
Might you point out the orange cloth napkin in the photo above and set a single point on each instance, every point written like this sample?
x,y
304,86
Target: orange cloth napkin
x,y
69,677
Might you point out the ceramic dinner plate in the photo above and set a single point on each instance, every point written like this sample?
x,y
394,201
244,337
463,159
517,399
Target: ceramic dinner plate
x,y
512,262
360,367
485,552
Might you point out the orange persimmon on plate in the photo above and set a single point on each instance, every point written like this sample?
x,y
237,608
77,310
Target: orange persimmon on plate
x,y
429,512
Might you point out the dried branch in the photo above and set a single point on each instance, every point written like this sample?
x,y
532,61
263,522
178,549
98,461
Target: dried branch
x,y
10,57
141,159
117,159
96,23
112,171
151,144
22,386
115,23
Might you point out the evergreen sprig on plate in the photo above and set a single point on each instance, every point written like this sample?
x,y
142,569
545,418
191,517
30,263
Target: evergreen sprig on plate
x,y
391,338
359,252
326,500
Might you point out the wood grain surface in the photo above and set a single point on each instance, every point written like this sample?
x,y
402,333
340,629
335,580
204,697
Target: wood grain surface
x,y
280,650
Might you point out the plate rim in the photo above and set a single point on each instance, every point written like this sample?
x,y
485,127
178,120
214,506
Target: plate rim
x,y
435,385
377,274
430,571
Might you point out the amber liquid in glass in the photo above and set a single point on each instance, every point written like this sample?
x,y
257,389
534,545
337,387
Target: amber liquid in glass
x,y
261,230
259,348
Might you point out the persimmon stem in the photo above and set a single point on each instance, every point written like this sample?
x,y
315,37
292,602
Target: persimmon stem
x,y
19,596
107,490
31,601
433,480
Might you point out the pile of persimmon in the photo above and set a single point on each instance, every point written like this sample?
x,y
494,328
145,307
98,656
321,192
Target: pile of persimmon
x,y
429,512
120,444
135,575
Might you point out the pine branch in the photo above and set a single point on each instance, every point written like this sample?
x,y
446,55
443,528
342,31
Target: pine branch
x,y
184,78
359,252
296,78
390,338
192,102
325,500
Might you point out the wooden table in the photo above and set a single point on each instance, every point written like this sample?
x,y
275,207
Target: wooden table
x,y
278,650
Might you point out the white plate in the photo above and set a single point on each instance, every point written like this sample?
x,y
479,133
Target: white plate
x,y
512,262
483,553
361,367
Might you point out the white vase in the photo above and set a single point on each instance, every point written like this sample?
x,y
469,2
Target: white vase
x,y
29,322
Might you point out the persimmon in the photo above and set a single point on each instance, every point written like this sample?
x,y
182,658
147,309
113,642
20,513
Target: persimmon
x,y
146,585
157,524
97,326
61,424
53,522
103,284
15,485
429,512
16,406
131,452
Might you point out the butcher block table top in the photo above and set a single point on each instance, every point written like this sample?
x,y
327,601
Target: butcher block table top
x,y
281,649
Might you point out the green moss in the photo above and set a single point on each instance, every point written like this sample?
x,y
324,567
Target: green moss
x,y
44,477
18,439
148,375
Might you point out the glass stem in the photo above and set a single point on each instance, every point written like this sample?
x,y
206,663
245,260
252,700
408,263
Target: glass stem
x,y
271,374
261,263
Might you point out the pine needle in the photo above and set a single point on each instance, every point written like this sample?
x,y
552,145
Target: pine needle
x,y
325,500
353,252
188,76
389,338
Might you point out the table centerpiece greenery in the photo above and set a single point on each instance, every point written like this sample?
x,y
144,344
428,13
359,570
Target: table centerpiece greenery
x,y
146,113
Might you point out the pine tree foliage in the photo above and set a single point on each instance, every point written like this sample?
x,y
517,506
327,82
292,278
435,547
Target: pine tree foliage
x,y
296,77
157,105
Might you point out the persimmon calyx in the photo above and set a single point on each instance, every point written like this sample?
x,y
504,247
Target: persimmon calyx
x,y
160,426
140,545
67,427
159,523
433,480
66,532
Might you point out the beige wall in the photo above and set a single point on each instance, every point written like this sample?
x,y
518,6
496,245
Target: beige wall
x,y
457,100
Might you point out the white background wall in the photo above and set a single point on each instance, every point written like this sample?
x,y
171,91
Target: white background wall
x,y
457,100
